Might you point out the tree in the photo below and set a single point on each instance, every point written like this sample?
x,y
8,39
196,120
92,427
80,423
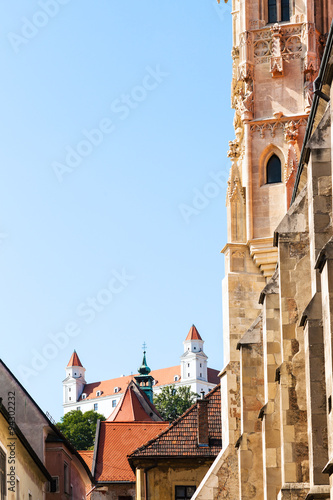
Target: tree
x,y
172,402
80,428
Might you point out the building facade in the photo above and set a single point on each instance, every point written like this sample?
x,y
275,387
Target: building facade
x,y
277,380
104,396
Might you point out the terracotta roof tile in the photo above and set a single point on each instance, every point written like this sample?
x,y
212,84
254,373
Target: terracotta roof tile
x,y
181,439
87,456
74,361
134,407
116,441
193,334
164,376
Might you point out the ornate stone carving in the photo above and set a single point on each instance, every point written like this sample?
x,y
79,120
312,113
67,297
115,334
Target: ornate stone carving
x,y
308,92
272,127
291,135
276,63
245,71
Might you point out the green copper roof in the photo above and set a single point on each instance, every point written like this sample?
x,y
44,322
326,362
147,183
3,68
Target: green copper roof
x,y
144,368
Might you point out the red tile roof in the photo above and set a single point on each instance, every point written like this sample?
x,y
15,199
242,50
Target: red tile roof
x,y
74,361
164,376
87,456
181,438
116,441
193,334
134,407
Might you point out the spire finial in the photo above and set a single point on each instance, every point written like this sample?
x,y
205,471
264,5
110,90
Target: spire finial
x,y
144,368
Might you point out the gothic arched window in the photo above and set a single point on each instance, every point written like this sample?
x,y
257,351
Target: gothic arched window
x,y
273,170
278,10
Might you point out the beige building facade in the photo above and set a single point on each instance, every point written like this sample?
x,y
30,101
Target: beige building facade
x,y
277,380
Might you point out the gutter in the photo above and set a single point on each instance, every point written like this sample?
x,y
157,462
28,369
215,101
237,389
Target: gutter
x,y
318,94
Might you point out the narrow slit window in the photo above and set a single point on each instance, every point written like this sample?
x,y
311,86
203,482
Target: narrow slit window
x,y
273,170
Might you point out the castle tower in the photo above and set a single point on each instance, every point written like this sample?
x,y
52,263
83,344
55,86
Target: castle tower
x,y
277,47
74,381
144,380
194,360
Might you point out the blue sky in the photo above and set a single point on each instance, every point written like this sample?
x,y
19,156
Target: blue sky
x,y
115,122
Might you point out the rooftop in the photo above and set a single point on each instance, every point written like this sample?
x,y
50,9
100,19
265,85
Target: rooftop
x,y
74,361
193,334
116,441
181,438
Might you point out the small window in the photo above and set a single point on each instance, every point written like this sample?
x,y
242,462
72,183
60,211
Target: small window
x,y
278,10
200,365
70,398
55,484
194,348
154,382
84,396
176,378
114,403
273,170
116,389
200,374
184,492
78,408
66,477
95,406
188,365
98,393
188,374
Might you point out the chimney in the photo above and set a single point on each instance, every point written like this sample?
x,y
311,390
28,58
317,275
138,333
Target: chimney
x,y
202,405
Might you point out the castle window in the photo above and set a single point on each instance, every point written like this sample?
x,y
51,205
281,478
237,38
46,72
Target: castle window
x,y
188,365
278,10
114,403
200,365
273,170
84,396
176,378
95,406
194,348
188,374
116,389
78,408
200,374
98,393
69,389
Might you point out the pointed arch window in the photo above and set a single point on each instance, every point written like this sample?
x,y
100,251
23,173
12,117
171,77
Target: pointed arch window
x,y
273,170
278,10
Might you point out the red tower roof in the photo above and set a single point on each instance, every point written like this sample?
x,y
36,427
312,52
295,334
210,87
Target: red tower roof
x,y
193,334
74,361
134,407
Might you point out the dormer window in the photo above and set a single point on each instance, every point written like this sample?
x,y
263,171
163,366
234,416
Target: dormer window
x,y
98,393
116,389
84,395
176,378
154,382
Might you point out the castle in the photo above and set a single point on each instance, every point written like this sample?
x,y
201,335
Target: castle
x,y
104,396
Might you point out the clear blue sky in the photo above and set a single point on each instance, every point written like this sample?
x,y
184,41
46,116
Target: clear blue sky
x,y
111,237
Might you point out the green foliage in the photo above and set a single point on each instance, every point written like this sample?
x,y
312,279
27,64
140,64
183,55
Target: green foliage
x,y
80,428
172,402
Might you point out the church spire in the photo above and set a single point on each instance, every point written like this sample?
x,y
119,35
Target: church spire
x,y
144,380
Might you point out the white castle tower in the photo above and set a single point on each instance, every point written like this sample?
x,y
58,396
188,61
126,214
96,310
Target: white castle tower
x,y
74,381
194,361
